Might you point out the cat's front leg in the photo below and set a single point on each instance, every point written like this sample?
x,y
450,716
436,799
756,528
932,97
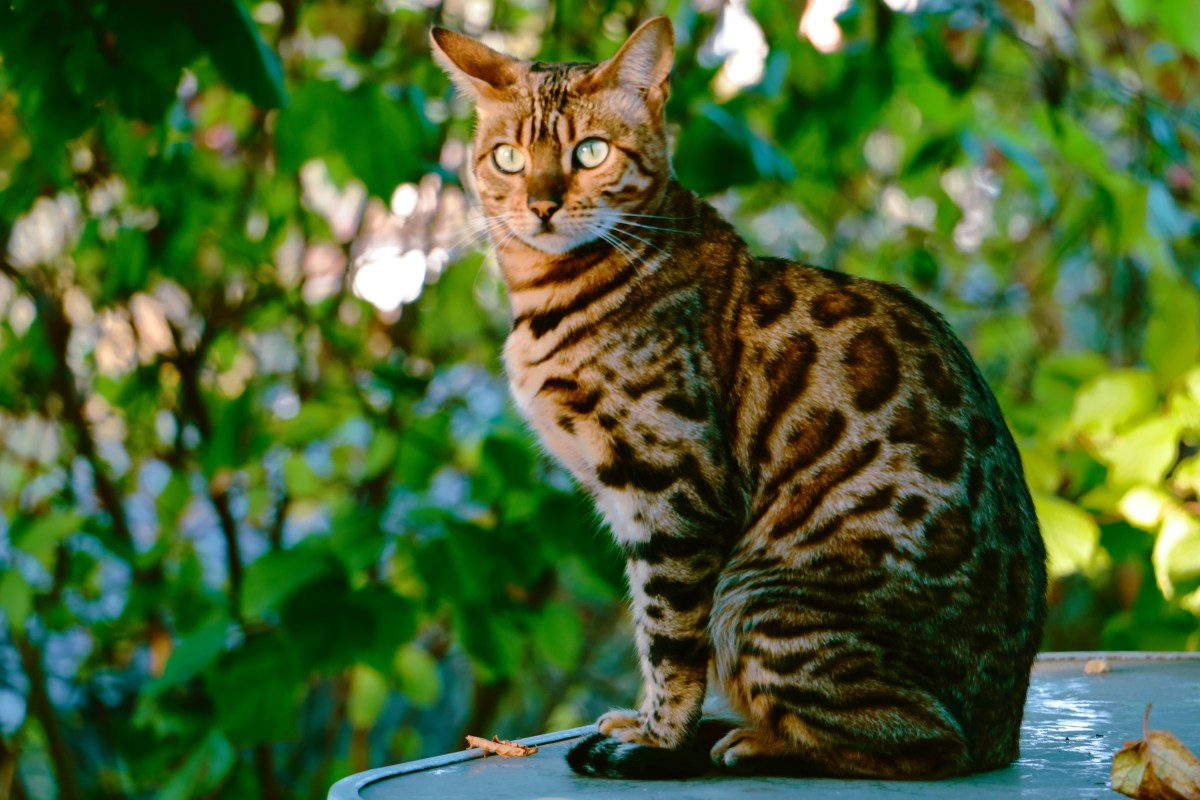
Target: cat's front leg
x,y
671,605
672,566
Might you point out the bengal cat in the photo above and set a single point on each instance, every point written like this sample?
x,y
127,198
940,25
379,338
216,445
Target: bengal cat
x,y
815,491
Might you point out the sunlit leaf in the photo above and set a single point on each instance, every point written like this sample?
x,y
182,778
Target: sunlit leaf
x,y
1177,20
368,693
1177,554
418,674
1173,331
1071,534
1156,767
1143,453
1112,400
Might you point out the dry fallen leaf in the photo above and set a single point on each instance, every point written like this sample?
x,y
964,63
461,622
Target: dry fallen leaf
x,y
1156,767
502,747
1096,666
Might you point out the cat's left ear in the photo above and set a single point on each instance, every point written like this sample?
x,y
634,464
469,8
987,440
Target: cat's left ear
x,y
644,62
477,70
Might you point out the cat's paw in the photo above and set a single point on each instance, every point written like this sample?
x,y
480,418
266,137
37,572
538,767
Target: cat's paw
x,y
742,746
619,719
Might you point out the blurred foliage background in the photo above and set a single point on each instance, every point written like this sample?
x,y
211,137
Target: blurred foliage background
x,y
266,516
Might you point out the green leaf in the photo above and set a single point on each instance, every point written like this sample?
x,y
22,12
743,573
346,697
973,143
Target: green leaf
x,y
301,480
207,767
368,694
272,579
237,434
418,674
194,653
255,690
419,453
1146,506
16,598
1143,453
150,46
381,453
1172,344
328,628
325,121
1177,554
558,635
1134,12
1177,20
392,621
238,51
1071,534
39,537
1111,401
315,421
492,640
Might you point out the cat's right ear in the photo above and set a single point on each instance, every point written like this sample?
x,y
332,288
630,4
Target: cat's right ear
x,y
477,70
643,63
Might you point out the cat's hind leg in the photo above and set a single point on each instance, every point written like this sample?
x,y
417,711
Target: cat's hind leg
x,y
793,748
821,693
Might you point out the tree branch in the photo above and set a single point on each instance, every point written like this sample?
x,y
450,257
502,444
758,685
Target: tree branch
x,y
61,756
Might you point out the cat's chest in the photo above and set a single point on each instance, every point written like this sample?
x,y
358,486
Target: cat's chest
x,y
558,396
584,397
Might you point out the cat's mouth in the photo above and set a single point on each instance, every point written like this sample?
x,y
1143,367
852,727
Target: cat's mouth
x,y
553,240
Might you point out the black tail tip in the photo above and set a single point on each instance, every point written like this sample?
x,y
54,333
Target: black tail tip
x,y
602,756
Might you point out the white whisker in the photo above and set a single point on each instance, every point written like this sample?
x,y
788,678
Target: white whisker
x,y
639,238
644,216
622,221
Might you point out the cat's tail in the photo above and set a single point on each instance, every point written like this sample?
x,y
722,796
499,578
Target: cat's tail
x,y
602,756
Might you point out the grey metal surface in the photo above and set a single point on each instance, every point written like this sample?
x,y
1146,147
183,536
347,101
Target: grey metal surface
x,y
1074,723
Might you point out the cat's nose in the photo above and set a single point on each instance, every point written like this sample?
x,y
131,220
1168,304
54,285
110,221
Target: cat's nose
x,y
544,209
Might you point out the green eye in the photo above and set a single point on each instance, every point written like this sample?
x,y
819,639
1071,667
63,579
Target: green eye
x,y
508,158
591,152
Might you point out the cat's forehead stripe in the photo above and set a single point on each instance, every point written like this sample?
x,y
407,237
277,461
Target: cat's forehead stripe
x,y
548,98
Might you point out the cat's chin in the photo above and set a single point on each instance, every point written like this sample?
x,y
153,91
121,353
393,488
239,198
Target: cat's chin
x,y
556,244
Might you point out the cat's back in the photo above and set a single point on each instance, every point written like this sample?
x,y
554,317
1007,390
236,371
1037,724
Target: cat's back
x,y
830,363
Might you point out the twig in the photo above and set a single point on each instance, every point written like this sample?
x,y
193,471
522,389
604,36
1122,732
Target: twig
x,y
502,747
264,765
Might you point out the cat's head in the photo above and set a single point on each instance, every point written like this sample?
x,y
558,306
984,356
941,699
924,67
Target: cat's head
x,y
563,150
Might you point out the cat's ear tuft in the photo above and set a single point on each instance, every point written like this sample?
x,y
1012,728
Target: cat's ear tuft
x,y
477,70
644,61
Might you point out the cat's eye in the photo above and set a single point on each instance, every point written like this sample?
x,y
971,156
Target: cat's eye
x,y
591,152
508,158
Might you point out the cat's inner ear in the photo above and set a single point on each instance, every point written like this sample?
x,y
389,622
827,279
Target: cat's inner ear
x,y
477,70
644,62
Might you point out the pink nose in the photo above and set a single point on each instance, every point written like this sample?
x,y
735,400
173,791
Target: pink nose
x,y
543,208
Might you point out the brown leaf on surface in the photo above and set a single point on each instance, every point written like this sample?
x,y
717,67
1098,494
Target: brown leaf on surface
x,y
1096,666
1156,767
502,747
